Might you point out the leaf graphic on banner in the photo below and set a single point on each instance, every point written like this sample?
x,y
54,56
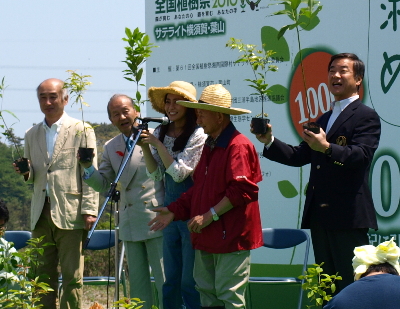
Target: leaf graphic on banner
x,y
305,189
279,94
304,53
270,41
287,189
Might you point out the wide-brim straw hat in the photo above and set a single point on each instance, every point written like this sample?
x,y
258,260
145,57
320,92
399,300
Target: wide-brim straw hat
x,y
157,94
215,98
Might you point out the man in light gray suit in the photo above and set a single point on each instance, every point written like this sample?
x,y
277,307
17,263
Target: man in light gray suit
x,y
139,196
62,207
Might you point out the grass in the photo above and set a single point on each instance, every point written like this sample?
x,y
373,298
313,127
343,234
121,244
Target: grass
x,y
98,294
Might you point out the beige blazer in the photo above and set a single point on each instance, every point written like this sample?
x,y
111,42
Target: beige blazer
x,y
70,197
139,194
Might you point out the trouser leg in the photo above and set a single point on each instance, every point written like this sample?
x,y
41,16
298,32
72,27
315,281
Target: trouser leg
x,y
222,278
139,272
335,247
191,296
72,263
172,256
154,248
48,262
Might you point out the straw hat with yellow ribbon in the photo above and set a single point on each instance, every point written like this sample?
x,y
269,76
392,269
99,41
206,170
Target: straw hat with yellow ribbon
x,y
365,256
215,98
157,94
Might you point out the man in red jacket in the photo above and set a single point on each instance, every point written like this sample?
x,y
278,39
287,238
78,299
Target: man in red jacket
x,y
222,205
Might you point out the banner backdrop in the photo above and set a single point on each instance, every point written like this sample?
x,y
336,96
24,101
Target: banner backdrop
x,y
192,37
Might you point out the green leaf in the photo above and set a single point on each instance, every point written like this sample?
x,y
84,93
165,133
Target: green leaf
x,y
315,13
139,74
295,4
307,23
282,31
287,189
138,96
282,12
128,32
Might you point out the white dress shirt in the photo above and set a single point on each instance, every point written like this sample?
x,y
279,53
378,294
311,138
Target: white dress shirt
x,y
337,108
51,137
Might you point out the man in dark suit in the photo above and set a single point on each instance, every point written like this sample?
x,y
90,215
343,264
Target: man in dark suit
x,y
339,209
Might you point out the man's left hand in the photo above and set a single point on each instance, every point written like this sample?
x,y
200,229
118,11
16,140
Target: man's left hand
x,y
196,224
316,142
89,221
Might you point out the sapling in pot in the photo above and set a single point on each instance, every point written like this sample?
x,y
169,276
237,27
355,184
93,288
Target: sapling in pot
x,y
77,85
305,17
21,162
260,63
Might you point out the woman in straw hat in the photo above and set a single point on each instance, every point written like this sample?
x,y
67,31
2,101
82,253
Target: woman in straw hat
x,y
377,280
178,147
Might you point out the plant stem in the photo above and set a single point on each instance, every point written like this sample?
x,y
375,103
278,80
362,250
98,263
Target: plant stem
x,y
11,136
84,127
303,73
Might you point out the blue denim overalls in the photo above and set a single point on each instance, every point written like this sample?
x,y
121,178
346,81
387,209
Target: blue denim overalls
x,y
178,255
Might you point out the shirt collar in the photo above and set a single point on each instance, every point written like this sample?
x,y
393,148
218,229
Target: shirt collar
x,y
57,124
223,139
126,138
344,103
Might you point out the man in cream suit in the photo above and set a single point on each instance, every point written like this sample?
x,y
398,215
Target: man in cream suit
x,y
63,207
139,196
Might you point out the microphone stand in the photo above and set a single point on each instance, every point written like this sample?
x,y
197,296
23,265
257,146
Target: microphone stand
x,y
116,197
112,192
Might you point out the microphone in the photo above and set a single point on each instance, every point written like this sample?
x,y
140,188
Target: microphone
x,y
162,120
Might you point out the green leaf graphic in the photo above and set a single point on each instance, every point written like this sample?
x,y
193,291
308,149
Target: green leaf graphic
x,y
287,189
278,94
270,41
304,52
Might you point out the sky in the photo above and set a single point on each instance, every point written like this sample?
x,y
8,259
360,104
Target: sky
x,y
42,39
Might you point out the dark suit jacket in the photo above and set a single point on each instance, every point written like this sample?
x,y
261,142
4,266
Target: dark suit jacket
x,y
338,184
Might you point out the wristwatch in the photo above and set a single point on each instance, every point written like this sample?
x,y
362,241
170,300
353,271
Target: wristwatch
x,y
214,214
328,150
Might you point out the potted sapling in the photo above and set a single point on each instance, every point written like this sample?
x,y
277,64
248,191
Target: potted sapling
x,y
77,85
260,63
305,17
21,162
